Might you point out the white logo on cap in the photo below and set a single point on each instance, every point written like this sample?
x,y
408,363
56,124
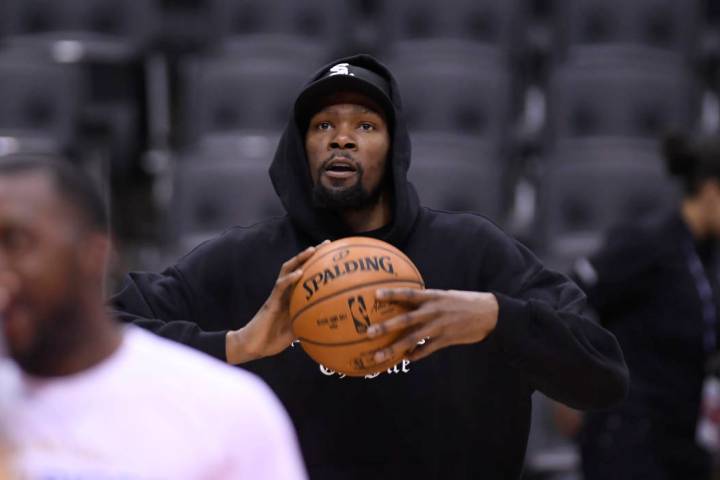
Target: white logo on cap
x,y
341,69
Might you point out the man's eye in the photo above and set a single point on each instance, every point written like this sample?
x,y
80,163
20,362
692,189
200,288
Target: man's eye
x,y
323,126
367,126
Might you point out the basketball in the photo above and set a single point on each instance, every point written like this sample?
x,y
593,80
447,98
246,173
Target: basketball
x,y
334,302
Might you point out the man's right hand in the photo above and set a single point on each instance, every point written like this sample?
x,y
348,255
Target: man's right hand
x,y
269,332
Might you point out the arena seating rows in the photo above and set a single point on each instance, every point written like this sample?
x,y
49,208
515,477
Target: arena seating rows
x,y
148,75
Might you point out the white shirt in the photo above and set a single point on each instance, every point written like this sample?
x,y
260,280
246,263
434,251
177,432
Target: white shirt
x,y
153,410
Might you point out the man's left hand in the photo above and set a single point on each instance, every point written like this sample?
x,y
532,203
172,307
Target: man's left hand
x,y
440,317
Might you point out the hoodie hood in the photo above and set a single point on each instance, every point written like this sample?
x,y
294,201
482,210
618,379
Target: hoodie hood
x,y
291,178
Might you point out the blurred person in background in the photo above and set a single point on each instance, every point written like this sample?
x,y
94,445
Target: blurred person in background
x,y
654,284
96,399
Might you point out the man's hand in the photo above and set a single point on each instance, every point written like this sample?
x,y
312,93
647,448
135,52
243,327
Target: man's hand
x,y
445,317
269,332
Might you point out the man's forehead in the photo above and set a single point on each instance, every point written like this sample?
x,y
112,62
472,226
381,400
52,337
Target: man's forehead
x,y
30,183
28,191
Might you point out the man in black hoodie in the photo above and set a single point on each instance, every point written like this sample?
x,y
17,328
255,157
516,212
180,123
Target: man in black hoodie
x,y
500,325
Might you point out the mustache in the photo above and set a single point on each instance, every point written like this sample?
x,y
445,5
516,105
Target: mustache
x,y
337,155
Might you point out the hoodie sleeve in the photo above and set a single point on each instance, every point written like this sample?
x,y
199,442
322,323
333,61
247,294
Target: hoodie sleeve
x,y
185,303
544,332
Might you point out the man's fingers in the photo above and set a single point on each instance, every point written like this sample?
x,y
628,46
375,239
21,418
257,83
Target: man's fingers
x,y
414,296
296,261
401,322
404,344
291,270
424,350
286,281
299,259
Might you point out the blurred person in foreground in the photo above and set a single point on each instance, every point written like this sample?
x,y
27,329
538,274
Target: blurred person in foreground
x,y
654,284
500,325
96,400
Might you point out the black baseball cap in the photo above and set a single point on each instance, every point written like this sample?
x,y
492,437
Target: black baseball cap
x,y
343,77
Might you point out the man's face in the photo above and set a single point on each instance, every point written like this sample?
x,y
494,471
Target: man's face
x,y
41,273
347,144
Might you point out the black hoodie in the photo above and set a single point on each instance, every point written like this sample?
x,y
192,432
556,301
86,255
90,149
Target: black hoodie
x,y
463,412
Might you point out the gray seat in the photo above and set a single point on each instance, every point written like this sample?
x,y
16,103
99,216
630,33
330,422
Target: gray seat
x,y
274,27
550,455
648,26
257,146
456,97
222,95
457,173
211,195
77,29
14,141
279,47
600,149
40,104
579,200
491,28
619,99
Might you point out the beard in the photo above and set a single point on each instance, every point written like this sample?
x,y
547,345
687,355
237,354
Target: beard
x,y
354,197
58,336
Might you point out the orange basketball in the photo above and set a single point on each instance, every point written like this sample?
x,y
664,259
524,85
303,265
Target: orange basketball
x,y
334,302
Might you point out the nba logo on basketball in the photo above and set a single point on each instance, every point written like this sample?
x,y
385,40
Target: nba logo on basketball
x,y
359,313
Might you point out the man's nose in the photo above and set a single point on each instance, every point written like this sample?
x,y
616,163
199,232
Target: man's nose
x,y
343,139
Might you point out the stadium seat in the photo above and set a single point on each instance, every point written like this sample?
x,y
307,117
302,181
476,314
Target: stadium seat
x,y
257,146
579,200
492,29
598,98
225,95
40,104
108,40
456,97
550,455
600,149
211,195
458,173
614,27
315,29
76,30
